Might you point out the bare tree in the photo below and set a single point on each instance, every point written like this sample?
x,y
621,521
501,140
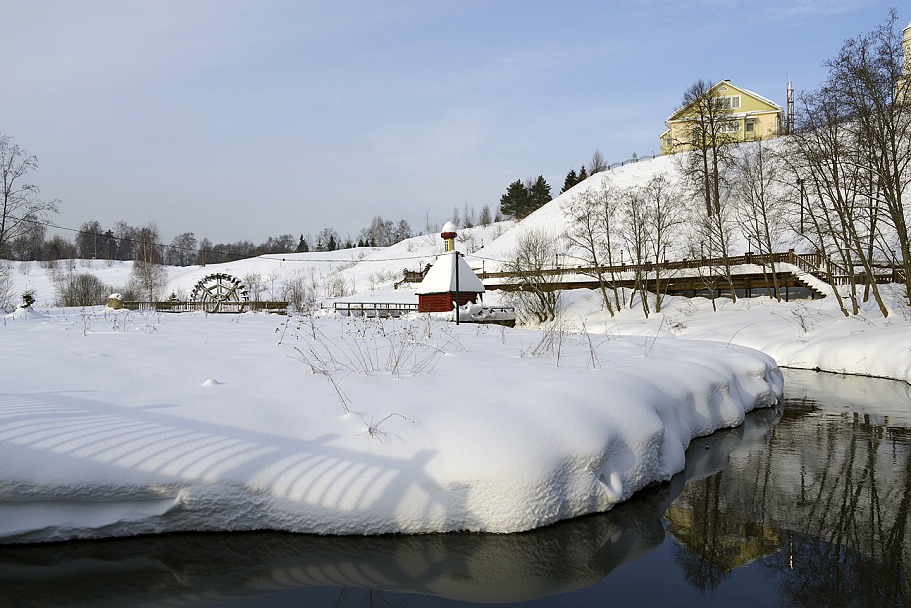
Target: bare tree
x,y
125,238
148,273
90,240
402,231
283,243
760,206
596,164
533,264
255,284
204,252
821,146
468,219
81,289
327,240
637,238
706,136
30,244
485,218
6,286
183,249
591,236
20,206
710,241
868,78
664,217
58,248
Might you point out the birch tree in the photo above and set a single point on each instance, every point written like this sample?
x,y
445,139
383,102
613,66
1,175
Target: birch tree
x,y
20,205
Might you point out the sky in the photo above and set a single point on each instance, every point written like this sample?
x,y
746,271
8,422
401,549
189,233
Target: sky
x,y
199,116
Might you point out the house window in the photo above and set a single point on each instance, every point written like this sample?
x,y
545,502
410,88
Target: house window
x,y
729,126
750,126
728,102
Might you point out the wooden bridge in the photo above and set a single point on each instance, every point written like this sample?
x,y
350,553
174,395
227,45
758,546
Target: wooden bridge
x,y
805,271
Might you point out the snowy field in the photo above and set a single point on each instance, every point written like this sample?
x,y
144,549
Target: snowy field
x,y
117,423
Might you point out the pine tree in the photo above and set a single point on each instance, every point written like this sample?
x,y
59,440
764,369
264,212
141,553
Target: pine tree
x,y
538,194
514,203
571,180
583,174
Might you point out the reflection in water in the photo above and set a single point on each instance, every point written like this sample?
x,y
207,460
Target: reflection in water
x,y
814,496
203,568
206,567
824,503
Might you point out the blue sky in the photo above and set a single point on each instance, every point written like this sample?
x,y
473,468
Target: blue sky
x,y
243,120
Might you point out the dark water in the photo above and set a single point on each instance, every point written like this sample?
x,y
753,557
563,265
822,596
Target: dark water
x,y
807,504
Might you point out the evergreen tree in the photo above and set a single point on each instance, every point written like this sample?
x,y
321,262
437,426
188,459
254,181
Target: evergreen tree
x,y
514,203
538,194
583,175
302,246
571,180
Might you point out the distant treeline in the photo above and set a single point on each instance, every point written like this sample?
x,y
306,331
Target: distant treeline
x,y
125,242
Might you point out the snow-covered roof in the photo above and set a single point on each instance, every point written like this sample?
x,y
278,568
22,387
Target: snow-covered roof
x,y
441,279
448,227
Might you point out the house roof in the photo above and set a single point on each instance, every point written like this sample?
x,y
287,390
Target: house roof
x,y
674,116
441,278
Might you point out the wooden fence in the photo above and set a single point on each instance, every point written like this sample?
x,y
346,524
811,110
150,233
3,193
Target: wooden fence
x,y
374,309
209,307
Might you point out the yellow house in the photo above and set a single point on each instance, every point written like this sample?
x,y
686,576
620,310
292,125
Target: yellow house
x,y
906,50
748,117
906,57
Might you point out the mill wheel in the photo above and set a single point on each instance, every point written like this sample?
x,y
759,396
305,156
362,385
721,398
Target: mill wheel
x,y
221,293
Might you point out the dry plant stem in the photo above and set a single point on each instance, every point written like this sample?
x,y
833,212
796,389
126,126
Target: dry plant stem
x,y
649,347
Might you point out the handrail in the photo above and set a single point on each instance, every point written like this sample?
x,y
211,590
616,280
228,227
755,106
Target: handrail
x,y
207,306
813,263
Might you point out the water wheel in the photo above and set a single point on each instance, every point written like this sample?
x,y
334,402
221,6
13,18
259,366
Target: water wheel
x,y
221,293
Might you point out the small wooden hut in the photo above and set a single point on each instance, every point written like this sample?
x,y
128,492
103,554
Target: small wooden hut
x,y
450,280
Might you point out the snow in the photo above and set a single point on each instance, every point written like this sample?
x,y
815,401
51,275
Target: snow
x,y
803,334
116,423
137,423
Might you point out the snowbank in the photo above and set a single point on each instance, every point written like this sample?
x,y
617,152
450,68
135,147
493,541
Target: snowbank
x,y
116,423
802,334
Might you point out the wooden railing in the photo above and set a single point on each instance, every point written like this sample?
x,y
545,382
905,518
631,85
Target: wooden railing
x,y
210,307
813,263
374,309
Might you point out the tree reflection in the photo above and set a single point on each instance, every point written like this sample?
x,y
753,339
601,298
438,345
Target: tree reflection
x,y
704,563
823,505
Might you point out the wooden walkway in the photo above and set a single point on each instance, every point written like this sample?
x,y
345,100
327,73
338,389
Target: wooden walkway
x,y
703,276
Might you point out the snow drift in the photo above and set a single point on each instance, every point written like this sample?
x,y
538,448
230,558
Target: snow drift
x,y
130,424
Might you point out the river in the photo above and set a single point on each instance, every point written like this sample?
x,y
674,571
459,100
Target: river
x,y
805,504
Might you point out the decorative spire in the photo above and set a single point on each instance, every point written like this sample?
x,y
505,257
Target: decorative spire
x,y
448,235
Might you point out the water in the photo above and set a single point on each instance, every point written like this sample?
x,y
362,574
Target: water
x,y
806,504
